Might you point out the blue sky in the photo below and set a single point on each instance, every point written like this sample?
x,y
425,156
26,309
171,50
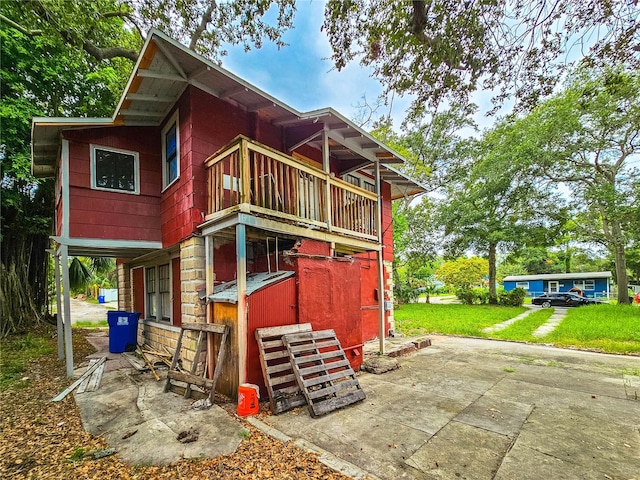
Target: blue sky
x,y
301,74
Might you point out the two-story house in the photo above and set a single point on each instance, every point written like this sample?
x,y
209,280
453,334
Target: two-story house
x,y
225,205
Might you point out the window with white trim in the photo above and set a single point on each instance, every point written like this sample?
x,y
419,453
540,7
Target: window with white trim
x,y
115,170
524,285
585,284
150,290
158,292
360,181
170,151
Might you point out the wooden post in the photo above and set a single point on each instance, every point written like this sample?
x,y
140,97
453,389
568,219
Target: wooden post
x,y
59,323
327,170
68,342
244,172
241,270
379,257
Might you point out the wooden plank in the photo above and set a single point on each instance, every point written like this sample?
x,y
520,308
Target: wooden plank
x,y
190,379
83,386
327,385
284,392
96,378
205,327
72,387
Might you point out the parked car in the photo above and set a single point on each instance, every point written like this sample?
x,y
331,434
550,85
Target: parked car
x,y
547,300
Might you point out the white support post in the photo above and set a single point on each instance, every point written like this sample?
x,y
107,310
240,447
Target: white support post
x,y
241,280
68,342
209,282
379,258
59,323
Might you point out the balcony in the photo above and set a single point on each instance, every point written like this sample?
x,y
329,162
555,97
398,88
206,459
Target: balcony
x,y
252,178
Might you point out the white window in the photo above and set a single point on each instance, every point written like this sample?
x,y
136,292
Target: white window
x,y
150,289
158,292
115,170
524,285
171,151
585,284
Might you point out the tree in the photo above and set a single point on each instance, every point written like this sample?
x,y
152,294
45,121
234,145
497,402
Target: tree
x,y
444,50
498,204
103,28
588,138
463,273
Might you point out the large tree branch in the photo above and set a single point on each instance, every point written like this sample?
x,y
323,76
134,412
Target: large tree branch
x,y
20,28
108,52
204,21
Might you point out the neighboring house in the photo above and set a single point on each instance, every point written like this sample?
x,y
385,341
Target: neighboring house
x,y
225,205
592,284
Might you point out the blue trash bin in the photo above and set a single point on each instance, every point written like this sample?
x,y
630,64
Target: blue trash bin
x,y
100,298
123,331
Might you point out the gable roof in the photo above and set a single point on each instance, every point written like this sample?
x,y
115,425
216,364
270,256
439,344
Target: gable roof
x,y
557,276
165,68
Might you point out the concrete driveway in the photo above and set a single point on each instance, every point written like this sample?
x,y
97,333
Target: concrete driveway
x,y
483,409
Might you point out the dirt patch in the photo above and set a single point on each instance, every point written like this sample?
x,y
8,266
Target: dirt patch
x,y
42,439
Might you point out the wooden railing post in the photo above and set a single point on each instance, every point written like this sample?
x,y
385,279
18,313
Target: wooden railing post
x,y
244,172
327,179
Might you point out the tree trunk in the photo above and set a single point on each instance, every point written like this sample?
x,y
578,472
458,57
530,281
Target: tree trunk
x,y
493,296
618,249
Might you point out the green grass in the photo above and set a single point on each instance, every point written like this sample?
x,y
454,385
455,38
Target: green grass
x,y
454,319
613,329
90,324
16,354
522,330
605,328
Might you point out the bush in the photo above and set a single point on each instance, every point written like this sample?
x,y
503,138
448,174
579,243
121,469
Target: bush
x,y
473,296
512,298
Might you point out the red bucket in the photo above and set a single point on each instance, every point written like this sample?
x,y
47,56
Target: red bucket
x,y
248,397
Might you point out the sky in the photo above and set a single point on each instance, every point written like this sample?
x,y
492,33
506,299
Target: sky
x,y
301,74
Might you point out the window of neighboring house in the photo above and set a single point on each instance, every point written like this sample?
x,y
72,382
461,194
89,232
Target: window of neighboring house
x,y
524,285
170,151
585,284
114,169
150,288
165,292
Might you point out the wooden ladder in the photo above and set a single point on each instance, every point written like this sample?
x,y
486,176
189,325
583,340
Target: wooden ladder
x,y
198,374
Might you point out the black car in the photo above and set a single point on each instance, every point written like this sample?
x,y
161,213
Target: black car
x,y
547,300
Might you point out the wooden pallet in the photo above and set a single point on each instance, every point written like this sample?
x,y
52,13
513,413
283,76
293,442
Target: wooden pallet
x,y
198,374
282,387
323,371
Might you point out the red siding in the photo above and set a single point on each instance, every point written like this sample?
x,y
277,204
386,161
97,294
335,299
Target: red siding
x,y
100,214
138,291
270,307
387,219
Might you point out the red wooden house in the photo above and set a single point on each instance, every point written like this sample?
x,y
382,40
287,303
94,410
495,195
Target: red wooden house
x,y
208,189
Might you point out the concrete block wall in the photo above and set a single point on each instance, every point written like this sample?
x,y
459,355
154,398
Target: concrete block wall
x,y
125,298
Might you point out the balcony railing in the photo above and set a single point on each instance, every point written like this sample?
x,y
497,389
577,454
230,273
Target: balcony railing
x,y
271,183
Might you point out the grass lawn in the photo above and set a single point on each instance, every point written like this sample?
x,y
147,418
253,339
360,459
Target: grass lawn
x,y
422,318
16,354
614,329
606,328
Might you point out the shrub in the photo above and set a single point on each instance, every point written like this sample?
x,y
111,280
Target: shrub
x,y
512,298
473,296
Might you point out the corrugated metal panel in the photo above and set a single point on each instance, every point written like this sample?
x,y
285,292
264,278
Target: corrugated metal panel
x,y
228,292
272,306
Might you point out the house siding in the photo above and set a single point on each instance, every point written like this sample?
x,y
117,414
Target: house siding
x,y
537,287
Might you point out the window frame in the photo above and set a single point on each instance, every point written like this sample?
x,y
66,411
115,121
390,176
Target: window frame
x,y
519,285
136,169
582,284
174,120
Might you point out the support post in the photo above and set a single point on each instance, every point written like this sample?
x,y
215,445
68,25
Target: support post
x,y
209,277
241,281
327,184
379,257
68,342
59,313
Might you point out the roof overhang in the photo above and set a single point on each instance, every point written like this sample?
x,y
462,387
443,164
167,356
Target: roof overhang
x,y
557,276
165,68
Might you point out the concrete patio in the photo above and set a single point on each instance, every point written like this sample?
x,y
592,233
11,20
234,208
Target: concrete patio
x,y
461,408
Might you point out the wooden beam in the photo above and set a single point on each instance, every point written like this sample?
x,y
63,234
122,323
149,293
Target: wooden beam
x,y
241,282
141,113
150,98
68,340
161,76
305,141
